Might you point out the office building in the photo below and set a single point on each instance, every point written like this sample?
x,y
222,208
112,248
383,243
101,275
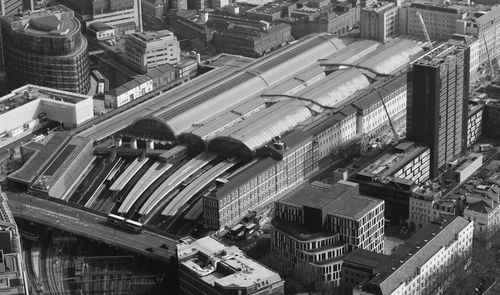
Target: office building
x,y
475,123
424,264
124,15
438,103
153,10
101,31
440,19
25,108
209,267
380,21
252,41
316,225
13,276
392,176
147,50
484,26
46,48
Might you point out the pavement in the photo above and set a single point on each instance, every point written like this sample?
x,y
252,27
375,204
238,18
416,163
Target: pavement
x,y
90,225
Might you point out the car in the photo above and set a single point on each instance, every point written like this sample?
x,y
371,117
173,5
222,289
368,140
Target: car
x,y
164,246
150,249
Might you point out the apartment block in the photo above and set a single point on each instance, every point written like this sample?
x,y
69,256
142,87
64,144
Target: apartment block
x,y
147,50
424,264
380,21
317,224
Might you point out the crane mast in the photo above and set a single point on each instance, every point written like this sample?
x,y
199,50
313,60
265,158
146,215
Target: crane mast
x,y
424,28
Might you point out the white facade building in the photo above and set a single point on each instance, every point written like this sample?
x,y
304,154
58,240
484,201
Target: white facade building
x,y
424,264
147,50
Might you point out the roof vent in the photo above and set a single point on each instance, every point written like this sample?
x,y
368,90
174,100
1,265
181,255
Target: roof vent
x,y
279,145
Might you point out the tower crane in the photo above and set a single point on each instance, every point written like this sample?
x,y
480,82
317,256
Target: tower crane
x,y
424,28
489,58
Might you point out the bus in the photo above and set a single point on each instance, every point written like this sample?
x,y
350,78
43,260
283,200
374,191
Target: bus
x,y
133,226
238,232
115,219
126,224
250,229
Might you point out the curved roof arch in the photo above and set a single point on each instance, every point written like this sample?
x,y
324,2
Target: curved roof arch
x,y
336,88
391,56
230,147
261,128
151,127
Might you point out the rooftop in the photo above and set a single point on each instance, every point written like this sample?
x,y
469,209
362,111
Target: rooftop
x,y
403,264
300,232
51,21
219,265
439,55
150,36
388,163
340,199
36,163
28,93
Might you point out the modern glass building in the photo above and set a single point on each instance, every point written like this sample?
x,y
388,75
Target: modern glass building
x,y
46,48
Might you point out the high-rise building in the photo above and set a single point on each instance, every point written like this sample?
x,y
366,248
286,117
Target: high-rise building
x,y
317,225
124,15
147,50
46,48
438,92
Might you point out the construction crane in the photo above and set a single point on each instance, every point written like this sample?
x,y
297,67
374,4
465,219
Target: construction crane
x,y
489,58
396,136
424,28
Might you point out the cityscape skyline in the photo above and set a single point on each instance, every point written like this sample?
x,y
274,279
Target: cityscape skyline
x,y
249,147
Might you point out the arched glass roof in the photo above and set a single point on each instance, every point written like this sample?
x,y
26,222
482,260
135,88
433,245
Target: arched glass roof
x,y
391,56
261,128
335,88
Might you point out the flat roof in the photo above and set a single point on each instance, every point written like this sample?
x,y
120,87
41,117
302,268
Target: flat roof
x,y
340,199
238,270
28,93
391,161
55,21
300,232
38,161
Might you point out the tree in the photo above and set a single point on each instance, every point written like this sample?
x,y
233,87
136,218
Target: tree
x,y
476,273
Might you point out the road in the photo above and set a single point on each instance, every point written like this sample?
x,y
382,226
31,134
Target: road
x,y
172,97
84,223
